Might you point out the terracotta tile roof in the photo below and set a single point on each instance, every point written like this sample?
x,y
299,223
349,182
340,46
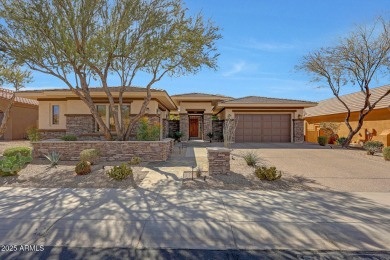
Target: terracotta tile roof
x,y
195,94
94,89
7,94
355,102
264,100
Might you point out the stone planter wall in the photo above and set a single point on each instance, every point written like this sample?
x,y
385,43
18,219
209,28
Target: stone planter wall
x,y
219,160
111,150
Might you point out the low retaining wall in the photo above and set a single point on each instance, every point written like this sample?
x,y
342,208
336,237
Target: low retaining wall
x,y
111,150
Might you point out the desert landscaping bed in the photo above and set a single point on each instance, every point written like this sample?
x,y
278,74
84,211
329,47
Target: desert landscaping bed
x,y
38,174
242,177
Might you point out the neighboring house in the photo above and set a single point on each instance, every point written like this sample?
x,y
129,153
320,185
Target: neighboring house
x,y
24,114
376,125
260,119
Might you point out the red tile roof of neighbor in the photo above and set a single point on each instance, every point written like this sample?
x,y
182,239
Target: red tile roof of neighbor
x,y
7,94
355,102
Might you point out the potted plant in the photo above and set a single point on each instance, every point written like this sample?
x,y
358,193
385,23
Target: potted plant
x,y
178,135
210,135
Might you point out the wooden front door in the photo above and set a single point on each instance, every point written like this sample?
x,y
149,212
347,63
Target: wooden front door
x,y
194,127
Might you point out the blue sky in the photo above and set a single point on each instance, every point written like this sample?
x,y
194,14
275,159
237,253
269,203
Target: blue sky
x,y
262,42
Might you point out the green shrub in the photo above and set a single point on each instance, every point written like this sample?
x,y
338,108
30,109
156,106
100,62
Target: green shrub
x,y
270,174
386,153
120,172
33,134
25,151
322,140
146,131
69,138
83,167
54,158
11,165
341,140
373,147
90,155
251,158
135,160
178,135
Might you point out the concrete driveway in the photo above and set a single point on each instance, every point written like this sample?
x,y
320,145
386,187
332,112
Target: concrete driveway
x,y
333,169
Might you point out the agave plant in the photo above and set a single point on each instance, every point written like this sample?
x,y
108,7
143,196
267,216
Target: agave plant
x,y
54,158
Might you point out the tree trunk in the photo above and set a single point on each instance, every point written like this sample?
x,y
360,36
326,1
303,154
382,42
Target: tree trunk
x,y
353,132
7,112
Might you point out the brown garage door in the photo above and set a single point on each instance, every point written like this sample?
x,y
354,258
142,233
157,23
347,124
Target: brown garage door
x,y
263,128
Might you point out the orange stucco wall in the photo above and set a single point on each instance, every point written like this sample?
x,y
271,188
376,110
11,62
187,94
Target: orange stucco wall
x,y
376,122
21,117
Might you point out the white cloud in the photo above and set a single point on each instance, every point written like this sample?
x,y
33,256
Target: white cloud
x,y
268,46
240,67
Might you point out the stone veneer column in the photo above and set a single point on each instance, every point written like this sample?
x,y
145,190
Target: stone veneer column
x,y
184,127
219,160
298,131
79,124
207,126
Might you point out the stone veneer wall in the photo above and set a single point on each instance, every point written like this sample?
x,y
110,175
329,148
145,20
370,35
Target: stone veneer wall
x,y
207,126
219,160
217,130
79,124
51,134
165,127
184,125
111,150
298,131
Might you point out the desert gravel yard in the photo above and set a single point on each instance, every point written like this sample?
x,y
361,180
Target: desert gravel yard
x,y
38,174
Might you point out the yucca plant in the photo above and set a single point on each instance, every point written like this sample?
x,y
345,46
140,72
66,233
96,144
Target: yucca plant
x,y
54,158
251,158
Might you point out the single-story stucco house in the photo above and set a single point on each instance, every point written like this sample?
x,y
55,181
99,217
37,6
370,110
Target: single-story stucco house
x,y
23,114
376,125
260,119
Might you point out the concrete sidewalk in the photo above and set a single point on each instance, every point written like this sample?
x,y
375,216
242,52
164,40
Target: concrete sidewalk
x,y
183,219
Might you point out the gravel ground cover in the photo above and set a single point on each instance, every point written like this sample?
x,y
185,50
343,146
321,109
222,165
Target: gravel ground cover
x,y
242,177
38,174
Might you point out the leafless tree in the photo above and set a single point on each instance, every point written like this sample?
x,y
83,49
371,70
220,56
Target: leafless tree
x,y
355,60
229,131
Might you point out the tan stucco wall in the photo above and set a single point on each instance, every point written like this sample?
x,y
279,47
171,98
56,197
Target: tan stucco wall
x,y
45,108
21,117
375,122
185,106
78,107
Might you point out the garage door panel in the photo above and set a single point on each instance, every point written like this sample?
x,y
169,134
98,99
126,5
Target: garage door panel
x,y
248,131
263,128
